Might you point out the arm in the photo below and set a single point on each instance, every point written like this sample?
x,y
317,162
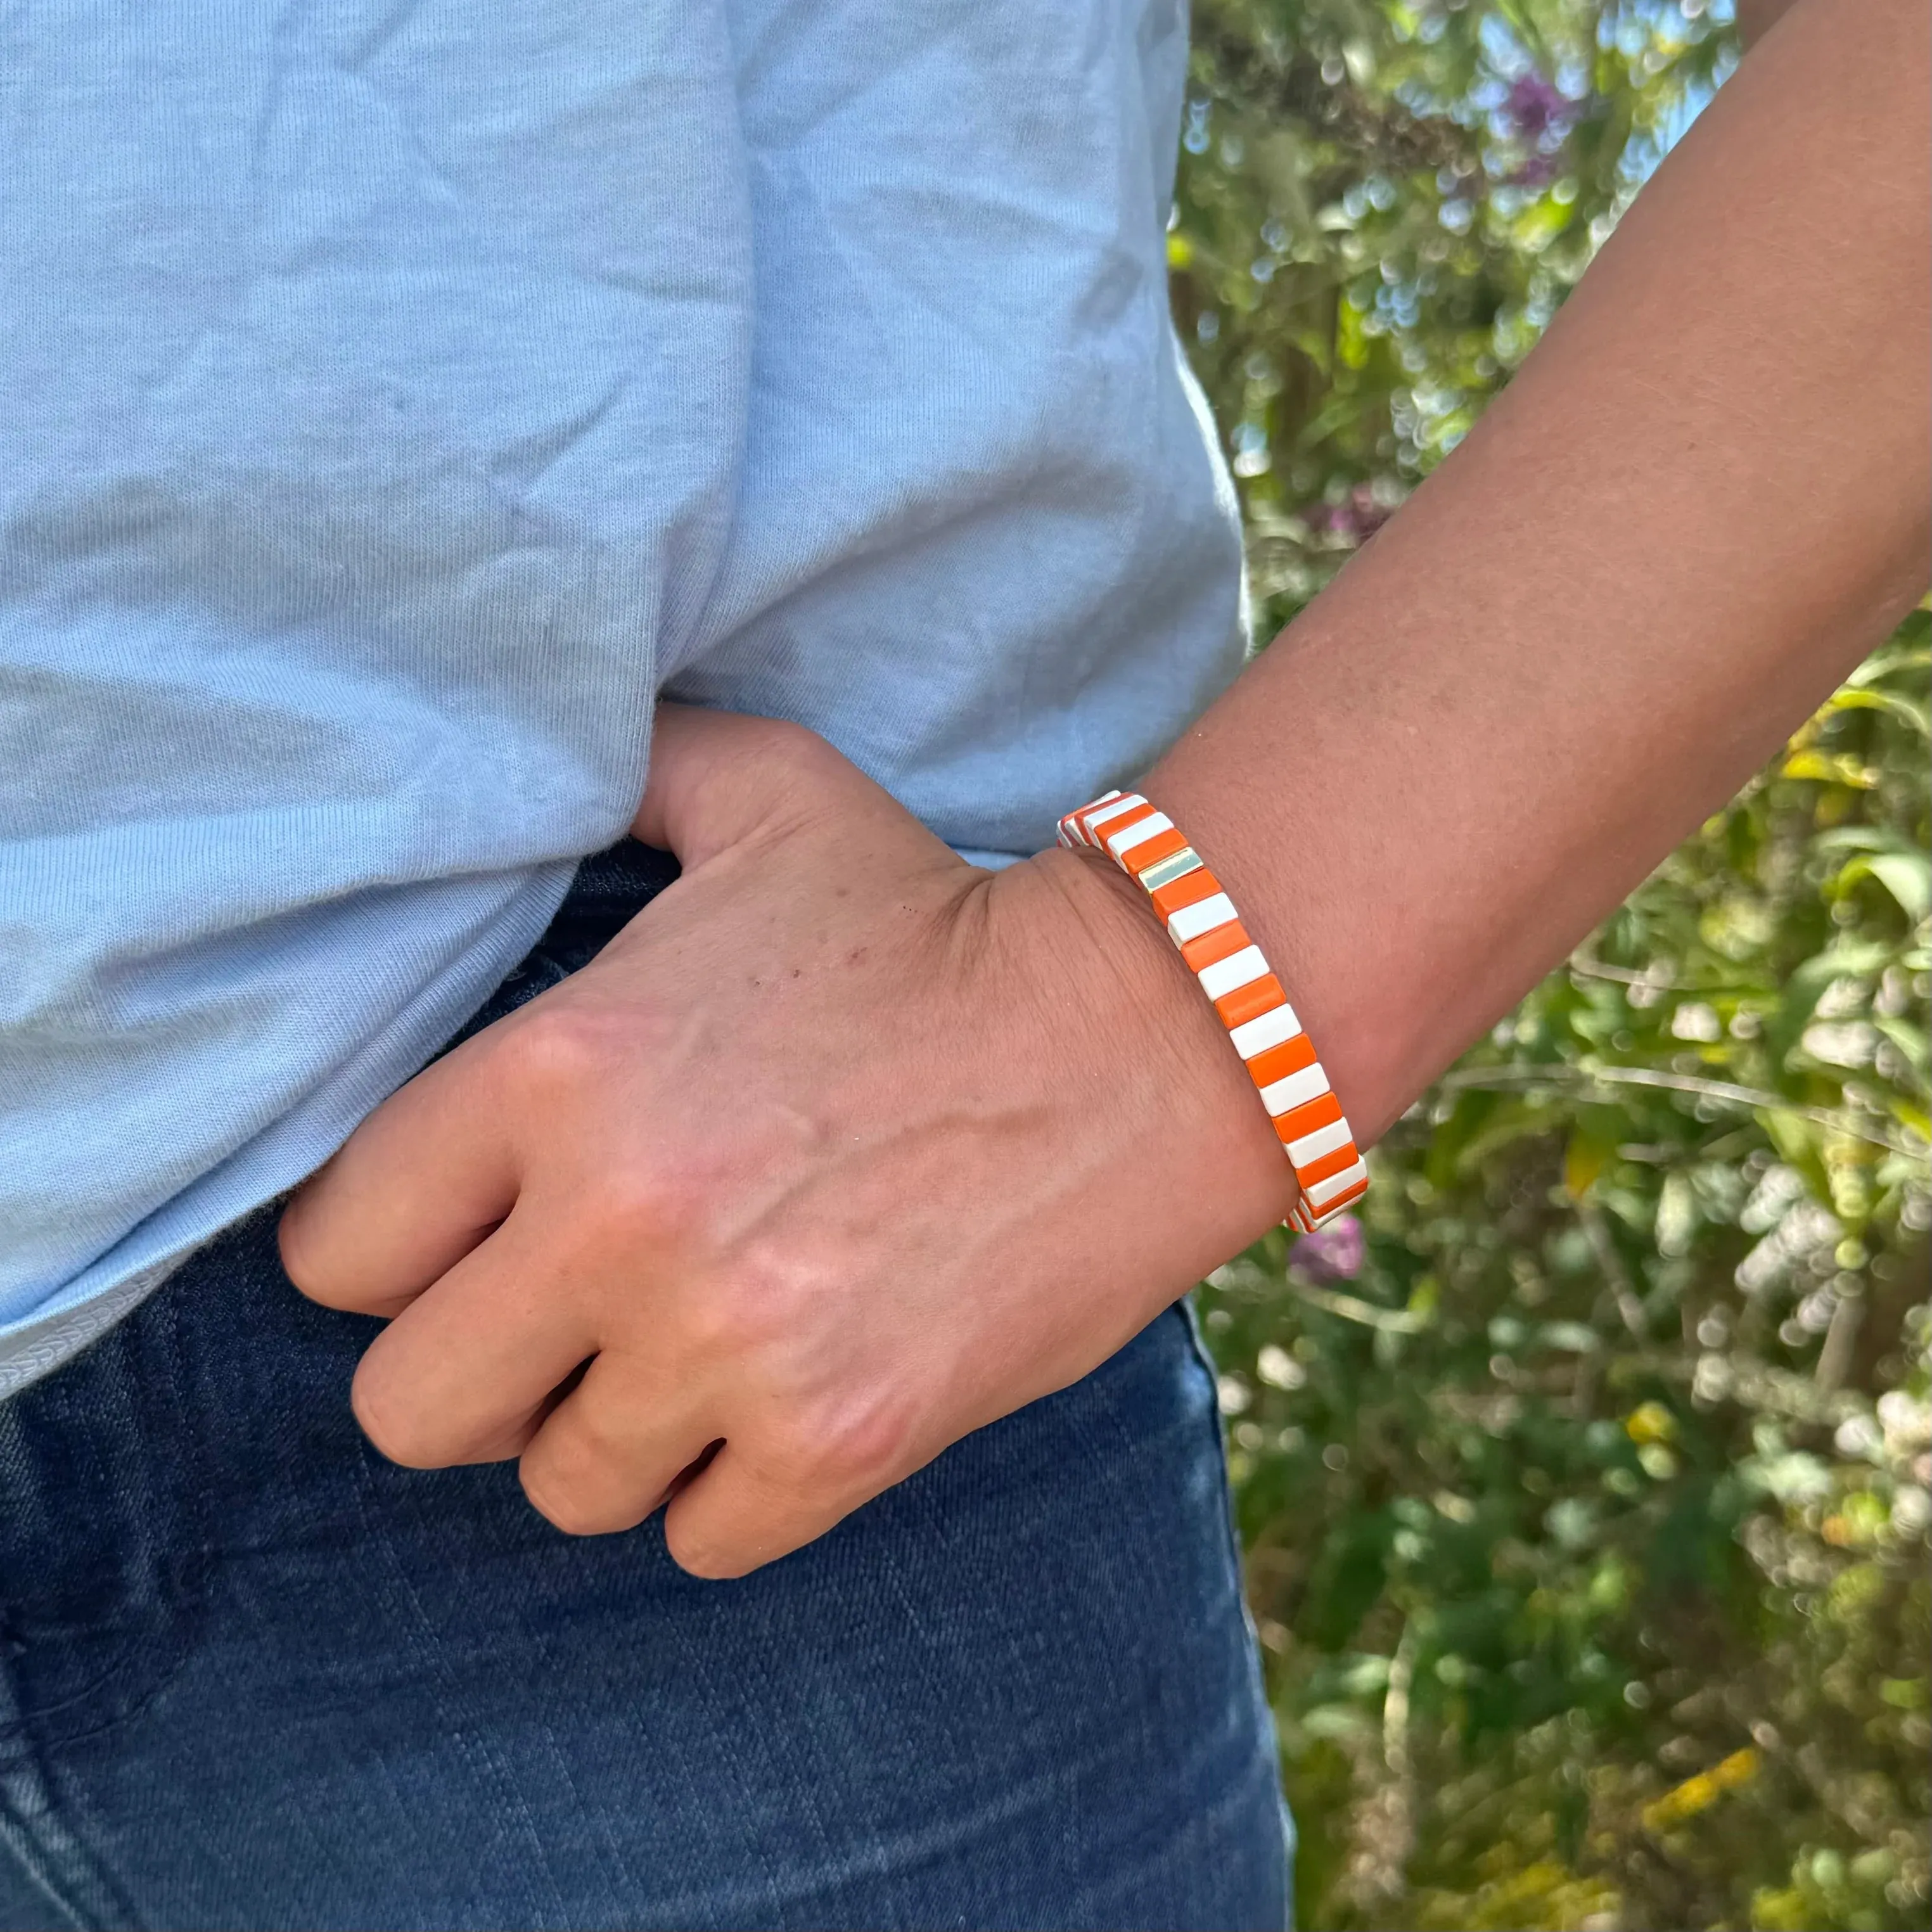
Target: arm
x,y
1702,501
1756,18
842,1149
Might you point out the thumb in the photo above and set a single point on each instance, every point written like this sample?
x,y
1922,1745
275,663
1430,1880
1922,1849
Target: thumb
x,y
716,778
719,777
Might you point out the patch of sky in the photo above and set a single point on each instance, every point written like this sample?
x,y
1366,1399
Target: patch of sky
x,y
1646,148
1436,400
1501,49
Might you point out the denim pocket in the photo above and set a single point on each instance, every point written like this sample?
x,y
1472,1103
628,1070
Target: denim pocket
x,y
103,1548
107,1467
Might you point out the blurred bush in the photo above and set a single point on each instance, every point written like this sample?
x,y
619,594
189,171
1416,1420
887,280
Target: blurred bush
x,y
1584,1483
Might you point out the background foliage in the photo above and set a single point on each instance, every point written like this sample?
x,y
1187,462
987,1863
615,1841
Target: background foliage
x,y
1585,1487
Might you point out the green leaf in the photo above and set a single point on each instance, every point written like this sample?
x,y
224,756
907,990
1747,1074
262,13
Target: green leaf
x,y
1911,1042
1805,987
1907,876
1582,1161
1852,698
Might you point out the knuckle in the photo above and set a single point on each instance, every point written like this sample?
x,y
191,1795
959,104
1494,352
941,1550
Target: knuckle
x,y
869,1449
719,1324
310,1237
552,1047
845,1448
563,1511
399,1432
584,1445
581,1471
302,1261
575,1509
564,1067
729,1322
699,1555
644,1204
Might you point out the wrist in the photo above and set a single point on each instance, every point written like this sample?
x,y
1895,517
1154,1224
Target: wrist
x,y
1137,1000
1355,961
1250,1000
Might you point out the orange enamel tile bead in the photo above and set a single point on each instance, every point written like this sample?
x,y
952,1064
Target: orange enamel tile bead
x,y
1202,921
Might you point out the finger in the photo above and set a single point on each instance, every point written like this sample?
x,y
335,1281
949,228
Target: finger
x,y
509,1442
614,1449
466,1371
697,799
716,777
417,1186
746,1510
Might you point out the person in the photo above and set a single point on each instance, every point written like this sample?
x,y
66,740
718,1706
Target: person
x,y
399,402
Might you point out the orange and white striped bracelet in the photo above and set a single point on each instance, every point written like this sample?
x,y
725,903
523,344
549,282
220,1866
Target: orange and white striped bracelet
x,y
1202,921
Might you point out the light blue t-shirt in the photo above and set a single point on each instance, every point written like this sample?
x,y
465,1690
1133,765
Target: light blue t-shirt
x,y
396,395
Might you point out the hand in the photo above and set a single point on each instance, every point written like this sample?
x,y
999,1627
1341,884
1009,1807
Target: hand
x,y
841,1150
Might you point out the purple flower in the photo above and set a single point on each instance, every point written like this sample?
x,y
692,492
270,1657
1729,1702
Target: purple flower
x,y
1357,517
1535,106
1335,1252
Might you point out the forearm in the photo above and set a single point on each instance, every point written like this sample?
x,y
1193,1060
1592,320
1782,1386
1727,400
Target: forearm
x,y
1756,18
1702,500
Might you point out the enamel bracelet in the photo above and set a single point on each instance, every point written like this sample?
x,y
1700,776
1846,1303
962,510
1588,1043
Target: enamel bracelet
x,y
1202,921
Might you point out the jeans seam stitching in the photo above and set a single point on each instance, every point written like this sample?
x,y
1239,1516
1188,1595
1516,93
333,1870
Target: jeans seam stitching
x,y
54,1859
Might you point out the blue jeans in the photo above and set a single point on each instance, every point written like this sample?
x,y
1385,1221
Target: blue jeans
x,y
253,1675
